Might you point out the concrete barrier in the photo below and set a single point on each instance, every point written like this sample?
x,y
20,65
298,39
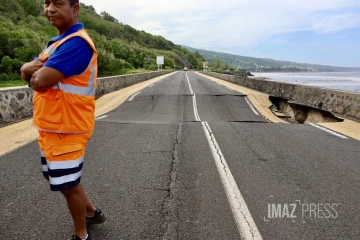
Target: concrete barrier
x,y
16,102
339,102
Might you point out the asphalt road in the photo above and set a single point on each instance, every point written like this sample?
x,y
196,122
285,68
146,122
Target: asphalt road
x,y
150,167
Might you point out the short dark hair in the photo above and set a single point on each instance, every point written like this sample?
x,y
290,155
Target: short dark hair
x,y
72,2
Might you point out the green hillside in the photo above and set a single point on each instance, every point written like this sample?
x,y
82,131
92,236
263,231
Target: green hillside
x,y
24,32
265,64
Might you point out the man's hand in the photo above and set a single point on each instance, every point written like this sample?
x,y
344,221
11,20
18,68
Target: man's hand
x,y
45,78
28,69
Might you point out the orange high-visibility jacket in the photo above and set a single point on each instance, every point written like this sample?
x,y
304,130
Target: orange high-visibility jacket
x,y
69,106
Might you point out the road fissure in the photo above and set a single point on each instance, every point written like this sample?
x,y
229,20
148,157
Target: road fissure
x,y
169,208
244,221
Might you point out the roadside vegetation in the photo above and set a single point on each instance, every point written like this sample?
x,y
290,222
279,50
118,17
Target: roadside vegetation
x,y
12,83
219,66
24,32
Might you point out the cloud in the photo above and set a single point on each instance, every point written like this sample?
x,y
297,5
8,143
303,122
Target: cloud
x,y
155,27
232,23
336,22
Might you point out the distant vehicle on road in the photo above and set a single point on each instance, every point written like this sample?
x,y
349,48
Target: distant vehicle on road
x,y
185,68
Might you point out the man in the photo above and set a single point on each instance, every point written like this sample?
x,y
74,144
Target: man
x,y
64,80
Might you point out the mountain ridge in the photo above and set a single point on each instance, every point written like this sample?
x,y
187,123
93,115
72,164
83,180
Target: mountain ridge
x,y
266,64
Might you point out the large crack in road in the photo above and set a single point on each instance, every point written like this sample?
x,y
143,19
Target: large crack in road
x,y
170,206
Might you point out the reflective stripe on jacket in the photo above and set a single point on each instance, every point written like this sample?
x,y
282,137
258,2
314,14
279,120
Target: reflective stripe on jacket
x,y
69,106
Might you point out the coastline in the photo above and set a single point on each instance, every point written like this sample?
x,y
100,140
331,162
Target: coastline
x,y
340,81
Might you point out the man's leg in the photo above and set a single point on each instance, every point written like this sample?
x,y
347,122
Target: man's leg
x,y
62,163
44,165
90,208
79,206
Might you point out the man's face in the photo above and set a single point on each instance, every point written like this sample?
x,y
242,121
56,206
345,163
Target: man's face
x,y
60,14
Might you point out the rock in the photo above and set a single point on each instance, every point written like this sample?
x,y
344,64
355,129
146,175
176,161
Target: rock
x,y
13,104
249,74
20,96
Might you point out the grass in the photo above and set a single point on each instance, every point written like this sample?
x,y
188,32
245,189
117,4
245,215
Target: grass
x,y
137,71
12,83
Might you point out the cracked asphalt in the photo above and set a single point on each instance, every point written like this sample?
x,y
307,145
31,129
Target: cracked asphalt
x,y
149,167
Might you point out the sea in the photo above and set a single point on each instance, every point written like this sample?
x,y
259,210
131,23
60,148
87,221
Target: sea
x,y
344,81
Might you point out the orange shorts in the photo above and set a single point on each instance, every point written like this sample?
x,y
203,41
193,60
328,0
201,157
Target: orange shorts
x,y
62,157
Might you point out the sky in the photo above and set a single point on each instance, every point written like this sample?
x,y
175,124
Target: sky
x,y
308,31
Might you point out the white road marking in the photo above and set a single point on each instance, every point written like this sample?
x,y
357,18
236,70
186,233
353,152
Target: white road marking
x,y
133,96
244,221
251,106
243,218
328,131
101,117
229,88
191,91
151,85
196,113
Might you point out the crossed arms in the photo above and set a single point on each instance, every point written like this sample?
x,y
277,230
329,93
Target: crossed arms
x,y
40,77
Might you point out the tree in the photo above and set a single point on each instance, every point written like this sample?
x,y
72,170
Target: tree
x,y
218,64
199,56
26,54
108,17
200,64
32,7
6,64
9,65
